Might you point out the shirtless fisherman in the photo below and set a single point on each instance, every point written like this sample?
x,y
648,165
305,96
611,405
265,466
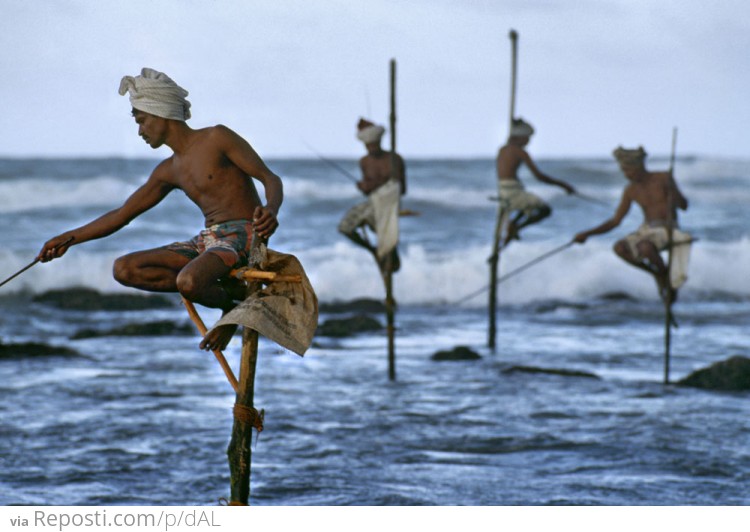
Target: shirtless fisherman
x,y
652,191
376,171
213,166
528,207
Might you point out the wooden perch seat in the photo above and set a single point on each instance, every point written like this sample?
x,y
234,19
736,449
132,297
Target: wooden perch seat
x,y
253,274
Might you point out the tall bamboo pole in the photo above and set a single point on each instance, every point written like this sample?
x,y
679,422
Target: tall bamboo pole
x,y
388,273
246,416
668,319
501,214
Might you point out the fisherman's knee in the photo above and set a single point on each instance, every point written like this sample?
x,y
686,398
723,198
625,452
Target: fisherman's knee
x,y
124,271
645,248
621,249
540,213
187,285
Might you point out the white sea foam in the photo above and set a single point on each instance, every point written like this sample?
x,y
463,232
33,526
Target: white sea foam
x,y
343,272
32,194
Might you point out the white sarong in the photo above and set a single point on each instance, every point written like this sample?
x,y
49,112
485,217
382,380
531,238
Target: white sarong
x,y
658,235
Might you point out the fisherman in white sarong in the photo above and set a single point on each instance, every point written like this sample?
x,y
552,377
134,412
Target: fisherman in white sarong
x,y
526,208
384,187
653,191
216,169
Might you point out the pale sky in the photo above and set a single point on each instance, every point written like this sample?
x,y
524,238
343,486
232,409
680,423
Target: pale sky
x,y
592,74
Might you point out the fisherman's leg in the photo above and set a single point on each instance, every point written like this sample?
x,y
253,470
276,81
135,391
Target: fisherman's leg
x,y
514,225
354,221
357,238
199,281
154,270
654,262
536,215
623,250
526,218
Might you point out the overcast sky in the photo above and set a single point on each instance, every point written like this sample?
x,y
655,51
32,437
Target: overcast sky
x,y
593,74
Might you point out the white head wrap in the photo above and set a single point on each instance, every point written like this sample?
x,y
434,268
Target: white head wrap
x,y
155,93
520,128
368,132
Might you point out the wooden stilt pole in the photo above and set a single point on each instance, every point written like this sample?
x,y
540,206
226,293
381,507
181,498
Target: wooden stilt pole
x,y
390,306
501,214
218,354
246,416
668,318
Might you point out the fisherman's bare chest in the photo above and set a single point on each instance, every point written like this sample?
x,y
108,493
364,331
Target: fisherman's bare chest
x,y
201,173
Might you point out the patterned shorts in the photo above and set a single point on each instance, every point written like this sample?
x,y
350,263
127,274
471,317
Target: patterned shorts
x,y
230,241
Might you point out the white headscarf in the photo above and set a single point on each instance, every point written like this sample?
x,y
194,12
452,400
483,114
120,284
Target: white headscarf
x,y
155,93
368,132
520,128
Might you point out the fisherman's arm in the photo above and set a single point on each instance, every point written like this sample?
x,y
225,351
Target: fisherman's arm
x,y
242,154
544,178
680,201
148,195
620,212
401,173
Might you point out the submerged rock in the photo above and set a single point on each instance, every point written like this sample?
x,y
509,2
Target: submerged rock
x,y
88,299
460,352
731,375
349,326
33,349
156,328
355,305
550,371
617,296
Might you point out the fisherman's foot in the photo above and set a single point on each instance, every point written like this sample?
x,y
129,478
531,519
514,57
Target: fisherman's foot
x,y
217,339
512,234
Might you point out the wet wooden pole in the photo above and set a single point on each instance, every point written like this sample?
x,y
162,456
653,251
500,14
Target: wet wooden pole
x,y
501,214
246,416
390,306
668,318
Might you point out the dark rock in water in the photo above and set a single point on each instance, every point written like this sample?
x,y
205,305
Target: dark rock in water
x,y
349,326
355,305
460,352
617,296
550,371
31,349
731,375
156,328
552,306
88,299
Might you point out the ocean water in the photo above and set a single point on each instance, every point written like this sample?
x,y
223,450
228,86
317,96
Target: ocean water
x,y
146,420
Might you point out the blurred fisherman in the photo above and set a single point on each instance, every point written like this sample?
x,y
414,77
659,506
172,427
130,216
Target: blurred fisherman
x,y
659,198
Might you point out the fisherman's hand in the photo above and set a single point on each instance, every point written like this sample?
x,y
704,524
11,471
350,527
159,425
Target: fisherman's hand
x,y
55,247
264,221
580,238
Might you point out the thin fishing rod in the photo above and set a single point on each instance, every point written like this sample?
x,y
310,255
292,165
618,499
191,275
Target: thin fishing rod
x,y
19,272
516,271
333,164
591,199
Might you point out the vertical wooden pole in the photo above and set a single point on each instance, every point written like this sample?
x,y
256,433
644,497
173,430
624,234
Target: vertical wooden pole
x,y
501,215
513,69
245,415
388,274
668,319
